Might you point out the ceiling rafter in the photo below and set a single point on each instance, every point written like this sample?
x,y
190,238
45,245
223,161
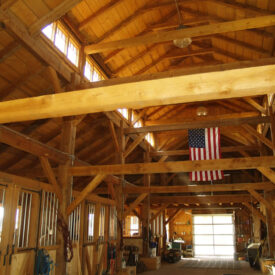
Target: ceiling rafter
x,y
112,4
113,54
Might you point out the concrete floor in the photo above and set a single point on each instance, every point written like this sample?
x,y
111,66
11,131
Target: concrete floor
x,y
178,269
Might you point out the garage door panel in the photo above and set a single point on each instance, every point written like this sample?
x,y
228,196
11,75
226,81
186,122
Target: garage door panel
x,y
223,239
223,229
222,220
203,219
213,235
203,229
203,239
224,250
204,250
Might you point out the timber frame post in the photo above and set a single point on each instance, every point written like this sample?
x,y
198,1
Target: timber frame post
x,y
145,211
66,181
120,200
270,196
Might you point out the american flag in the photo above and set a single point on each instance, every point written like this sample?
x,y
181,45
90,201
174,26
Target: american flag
x,y
205,144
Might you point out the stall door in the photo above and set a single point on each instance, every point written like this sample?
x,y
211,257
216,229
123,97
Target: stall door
x,y
213,236
19,220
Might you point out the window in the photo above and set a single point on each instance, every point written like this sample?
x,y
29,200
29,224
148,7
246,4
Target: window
x,y
134,226
113,223
91,72
101,222
60,40
49,31
63,41
91,219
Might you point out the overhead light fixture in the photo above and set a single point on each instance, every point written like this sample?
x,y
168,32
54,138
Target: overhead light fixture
x,y
181,42
201,111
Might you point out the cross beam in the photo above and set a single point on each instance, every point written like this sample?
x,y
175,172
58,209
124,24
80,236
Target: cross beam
x,y
175,166
135,93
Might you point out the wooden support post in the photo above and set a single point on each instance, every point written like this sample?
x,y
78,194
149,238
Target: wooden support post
x,y
120,198
270,218
145,210
66,181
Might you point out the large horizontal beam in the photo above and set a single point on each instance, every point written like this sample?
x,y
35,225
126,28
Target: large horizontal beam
x,y
205,122
224,27
185,152
202,199
174,166
200,188
213,85
32,146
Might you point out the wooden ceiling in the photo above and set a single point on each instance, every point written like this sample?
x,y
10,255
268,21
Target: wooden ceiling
x,y
24,72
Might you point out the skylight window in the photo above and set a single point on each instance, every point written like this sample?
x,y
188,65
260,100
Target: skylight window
x,y
91,72
72,53
48,31
63,40
60,40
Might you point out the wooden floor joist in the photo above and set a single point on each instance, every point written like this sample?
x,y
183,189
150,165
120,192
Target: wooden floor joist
x,y
175,166
219,84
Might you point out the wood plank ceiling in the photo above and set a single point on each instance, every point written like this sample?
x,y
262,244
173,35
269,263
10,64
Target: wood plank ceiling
x,y
25,74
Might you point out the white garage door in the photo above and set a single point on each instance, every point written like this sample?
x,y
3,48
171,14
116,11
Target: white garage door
x,y
213,236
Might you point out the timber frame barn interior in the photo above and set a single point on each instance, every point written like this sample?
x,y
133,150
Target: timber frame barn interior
x,y
97,98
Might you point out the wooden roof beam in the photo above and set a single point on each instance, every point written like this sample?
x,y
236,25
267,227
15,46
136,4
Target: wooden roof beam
x,y
202,199
230,26
53,15
36,45
256,105
29,145
200,188
255,211
261,199
134,204
227,149
259,136
175,167
198,123
249,81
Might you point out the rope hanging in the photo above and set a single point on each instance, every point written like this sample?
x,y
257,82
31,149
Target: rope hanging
x,y
63,228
